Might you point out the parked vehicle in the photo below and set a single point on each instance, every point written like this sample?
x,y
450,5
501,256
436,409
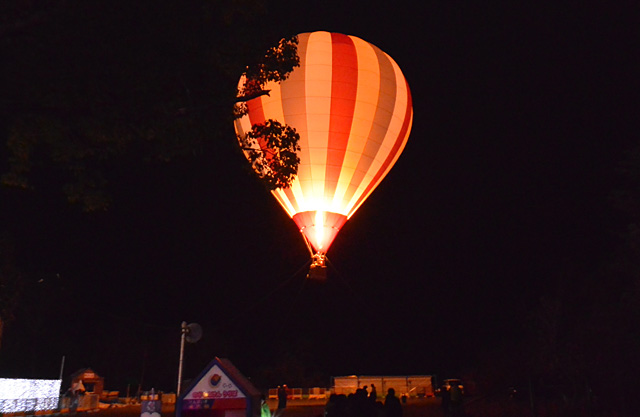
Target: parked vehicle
x,y
448,383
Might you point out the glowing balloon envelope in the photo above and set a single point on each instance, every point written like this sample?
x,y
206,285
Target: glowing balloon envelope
x,y
352,107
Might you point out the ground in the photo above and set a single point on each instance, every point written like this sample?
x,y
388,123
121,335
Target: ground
x,y
429,407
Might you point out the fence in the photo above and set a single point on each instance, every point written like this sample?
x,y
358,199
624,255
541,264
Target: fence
x,y
85,402
411,385
301,393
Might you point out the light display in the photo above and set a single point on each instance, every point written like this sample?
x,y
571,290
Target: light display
x,y
352,107
17,395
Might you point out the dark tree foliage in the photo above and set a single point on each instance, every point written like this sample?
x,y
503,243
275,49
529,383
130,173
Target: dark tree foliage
x,y
276,162
276,65
11,283
97,91
577,355
270,147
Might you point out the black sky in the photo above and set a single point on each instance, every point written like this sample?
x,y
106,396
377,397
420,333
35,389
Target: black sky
x,y
520,114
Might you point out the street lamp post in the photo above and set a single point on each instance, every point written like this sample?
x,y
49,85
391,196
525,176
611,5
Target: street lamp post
x,y
191,333
183,331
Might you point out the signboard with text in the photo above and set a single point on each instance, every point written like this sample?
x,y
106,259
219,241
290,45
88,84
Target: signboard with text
x,y
214,390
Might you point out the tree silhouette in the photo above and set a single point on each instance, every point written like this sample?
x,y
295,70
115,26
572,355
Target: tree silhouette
x,y
93,93
11,283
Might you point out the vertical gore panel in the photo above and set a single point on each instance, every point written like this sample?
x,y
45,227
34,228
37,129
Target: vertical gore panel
x,y
344,86
381,120
397,147
318,65
294,109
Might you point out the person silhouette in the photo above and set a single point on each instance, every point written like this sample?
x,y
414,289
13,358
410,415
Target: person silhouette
x,y
373,395
456,399
392,406
264,407
282,400
445,399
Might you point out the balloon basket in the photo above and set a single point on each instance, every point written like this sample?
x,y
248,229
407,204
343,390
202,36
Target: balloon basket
x,y
318,268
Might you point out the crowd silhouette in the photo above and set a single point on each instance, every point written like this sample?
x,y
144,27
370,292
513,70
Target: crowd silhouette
x,y
363,403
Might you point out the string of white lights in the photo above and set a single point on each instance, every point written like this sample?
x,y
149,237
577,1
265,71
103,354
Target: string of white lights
x,y
28,394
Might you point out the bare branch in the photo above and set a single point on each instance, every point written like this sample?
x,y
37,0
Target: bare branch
x,y
251,96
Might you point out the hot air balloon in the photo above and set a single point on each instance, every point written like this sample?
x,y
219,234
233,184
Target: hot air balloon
x,y
351,106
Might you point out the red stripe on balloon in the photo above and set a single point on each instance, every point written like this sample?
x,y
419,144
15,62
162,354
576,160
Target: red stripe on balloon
x,y
344,87
256,112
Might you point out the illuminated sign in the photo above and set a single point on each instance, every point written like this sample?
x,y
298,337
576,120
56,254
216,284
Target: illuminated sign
x,y
214,390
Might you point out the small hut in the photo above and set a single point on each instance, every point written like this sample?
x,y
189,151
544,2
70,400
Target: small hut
x,y
87,378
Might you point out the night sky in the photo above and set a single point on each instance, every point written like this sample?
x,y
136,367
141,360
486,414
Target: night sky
x,y
521,114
